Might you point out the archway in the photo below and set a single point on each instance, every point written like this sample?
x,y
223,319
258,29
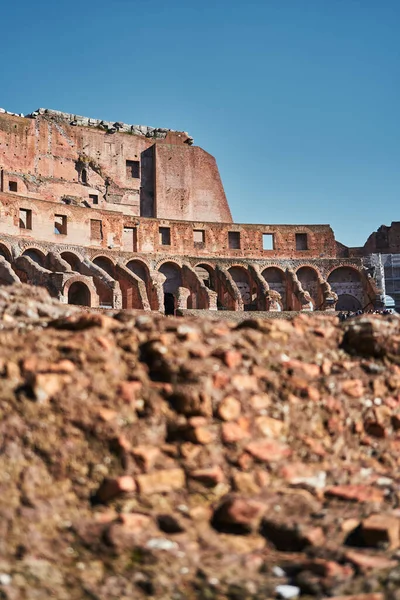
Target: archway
x,y
241,277
106,264
308,278
5,253
72,260
346,282
79,294
347,302
37,256
276,281
173,281
206,274
139,268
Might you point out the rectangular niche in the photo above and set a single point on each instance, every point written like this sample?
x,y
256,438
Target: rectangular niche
x,y
234,240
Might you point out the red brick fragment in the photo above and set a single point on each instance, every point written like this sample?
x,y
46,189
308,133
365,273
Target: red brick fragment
x,y
209,477
353,388
232,358
115,486
242,512
268,450
355,493
158,482
232,432
365,562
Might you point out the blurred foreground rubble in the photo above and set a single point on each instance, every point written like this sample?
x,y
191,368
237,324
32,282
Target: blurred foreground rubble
x,y
179,459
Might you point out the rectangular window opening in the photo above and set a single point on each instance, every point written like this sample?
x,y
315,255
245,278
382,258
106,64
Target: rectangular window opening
x,y
301,241
133,169
129,239
199,236
94,198
12,186
25,218
234,240
60,224
96,229
268,241
165,236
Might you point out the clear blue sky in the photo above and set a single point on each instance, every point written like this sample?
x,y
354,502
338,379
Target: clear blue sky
x,y
297,99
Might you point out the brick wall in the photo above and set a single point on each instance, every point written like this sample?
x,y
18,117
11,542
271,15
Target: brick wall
x,y
47,158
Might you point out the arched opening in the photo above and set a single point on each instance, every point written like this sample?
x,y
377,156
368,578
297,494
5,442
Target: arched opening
x,y
249,295
276,281
72,260
206,274
346,282
84,176
5,253
308,278
172,282
79,294
106,264
35,255
347,302
139,269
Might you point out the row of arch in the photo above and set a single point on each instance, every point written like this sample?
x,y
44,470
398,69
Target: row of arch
x,y
345,281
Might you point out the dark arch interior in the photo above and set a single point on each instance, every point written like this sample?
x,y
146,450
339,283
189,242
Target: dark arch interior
x,y
138,268
79,294
173,276
5,253
348,302
72,260
206,275
106,264
35,255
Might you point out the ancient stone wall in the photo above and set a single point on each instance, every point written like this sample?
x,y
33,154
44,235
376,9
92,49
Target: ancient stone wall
x,y
65,158
385,240
112,215
24,216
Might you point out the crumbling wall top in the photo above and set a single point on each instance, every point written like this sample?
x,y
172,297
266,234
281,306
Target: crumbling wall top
x,y
108,126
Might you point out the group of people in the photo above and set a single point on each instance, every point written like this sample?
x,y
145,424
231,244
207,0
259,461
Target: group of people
x,y
343,316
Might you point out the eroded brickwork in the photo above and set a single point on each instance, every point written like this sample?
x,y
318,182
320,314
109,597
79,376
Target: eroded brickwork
x,y
113,215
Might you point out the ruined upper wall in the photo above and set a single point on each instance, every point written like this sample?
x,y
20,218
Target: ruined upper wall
x,y
385,240
136,170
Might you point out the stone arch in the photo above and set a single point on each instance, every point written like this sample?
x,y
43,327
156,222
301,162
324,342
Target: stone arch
x,y
310,282
105,263
79,294
36,255
347,302
5,252
206,274
74,260
276,280
173,280
344,272
167,259
242,279
173,275
346,282
139,268
77,290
